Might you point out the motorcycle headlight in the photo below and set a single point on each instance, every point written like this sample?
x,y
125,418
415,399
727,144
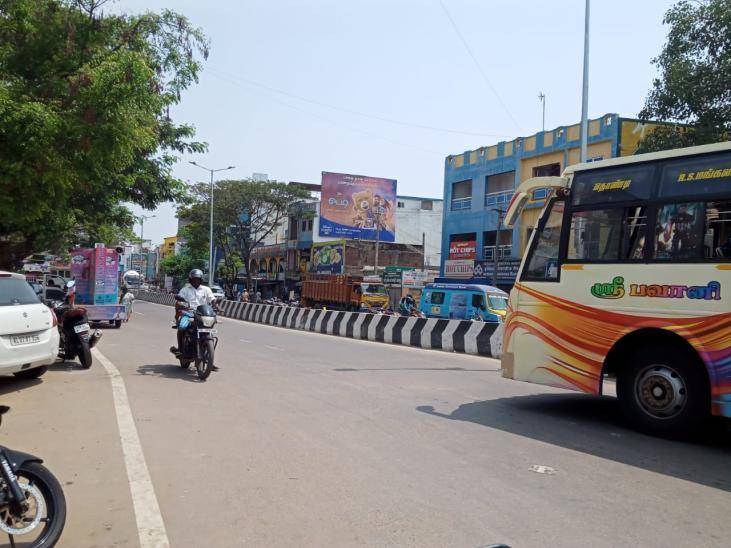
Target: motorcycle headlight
x,y
208,321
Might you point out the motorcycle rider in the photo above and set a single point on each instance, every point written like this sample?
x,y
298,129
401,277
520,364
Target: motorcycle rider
x,y
407,305
195,294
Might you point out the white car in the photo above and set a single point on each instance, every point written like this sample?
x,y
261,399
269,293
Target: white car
x,y
28,334
218,292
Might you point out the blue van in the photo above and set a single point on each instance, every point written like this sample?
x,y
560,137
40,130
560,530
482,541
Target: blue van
x,y
464,302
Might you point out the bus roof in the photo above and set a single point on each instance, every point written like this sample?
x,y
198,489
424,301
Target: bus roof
x,y
648,157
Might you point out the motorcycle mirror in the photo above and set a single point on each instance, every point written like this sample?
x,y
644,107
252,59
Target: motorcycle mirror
x,y
70,284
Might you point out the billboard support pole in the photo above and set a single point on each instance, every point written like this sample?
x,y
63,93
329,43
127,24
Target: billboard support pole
x,y
423,250
378,241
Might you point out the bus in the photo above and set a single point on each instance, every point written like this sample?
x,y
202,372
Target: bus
x,y
131,279
627,276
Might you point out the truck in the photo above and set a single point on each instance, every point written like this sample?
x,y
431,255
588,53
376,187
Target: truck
x,y
96,273
342,292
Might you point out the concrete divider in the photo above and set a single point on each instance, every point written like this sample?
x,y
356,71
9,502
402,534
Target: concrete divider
x,y
448,335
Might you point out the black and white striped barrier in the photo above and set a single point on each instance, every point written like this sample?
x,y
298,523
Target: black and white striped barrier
x,y
449,335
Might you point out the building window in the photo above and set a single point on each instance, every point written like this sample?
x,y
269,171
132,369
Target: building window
x,y
504,248
304,226
499,188
548,170
427,205
462,195
400,205
309,225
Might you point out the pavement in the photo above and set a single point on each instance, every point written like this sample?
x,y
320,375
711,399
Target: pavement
x,y
313,440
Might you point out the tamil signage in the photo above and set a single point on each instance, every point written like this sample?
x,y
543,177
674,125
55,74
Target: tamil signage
x,y
507,269
459,268
391,277
328,257
463,250
356,206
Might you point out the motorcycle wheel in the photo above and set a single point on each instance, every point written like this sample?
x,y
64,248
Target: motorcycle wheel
x,y
41,487
204,366
85,355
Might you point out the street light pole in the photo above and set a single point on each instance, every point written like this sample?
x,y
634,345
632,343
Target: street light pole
x,y
142,219
585,89
500,213
211,267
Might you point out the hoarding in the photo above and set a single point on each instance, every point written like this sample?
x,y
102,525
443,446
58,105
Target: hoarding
x,y
507,269
416,278
328,257
81,260
459,268
353,206
463,250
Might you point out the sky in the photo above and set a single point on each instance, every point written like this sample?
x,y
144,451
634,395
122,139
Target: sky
x,y
389,88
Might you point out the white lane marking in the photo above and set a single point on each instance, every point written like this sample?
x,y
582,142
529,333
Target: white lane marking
x,y
138,313
245,340
150,525
274,347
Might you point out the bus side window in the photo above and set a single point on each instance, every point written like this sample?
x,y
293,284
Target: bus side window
x,y
542,265
437,297
678,231
717,233
478,302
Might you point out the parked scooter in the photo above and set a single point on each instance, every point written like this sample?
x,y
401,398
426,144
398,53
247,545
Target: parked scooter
x,y
77,339
199,337
32,503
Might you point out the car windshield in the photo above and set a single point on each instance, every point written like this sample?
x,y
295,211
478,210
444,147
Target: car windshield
x,y
497,303
14,291
374,288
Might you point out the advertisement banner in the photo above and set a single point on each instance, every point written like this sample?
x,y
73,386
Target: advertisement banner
x,y
328,257
507,269
81,273
355,206
106,272
459,268
392,277
463,250
415,278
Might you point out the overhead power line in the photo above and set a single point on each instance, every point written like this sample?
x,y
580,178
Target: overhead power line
x,y
479,67
356,112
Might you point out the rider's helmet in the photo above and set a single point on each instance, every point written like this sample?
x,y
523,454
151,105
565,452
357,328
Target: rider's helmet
x,y
196,273
410,299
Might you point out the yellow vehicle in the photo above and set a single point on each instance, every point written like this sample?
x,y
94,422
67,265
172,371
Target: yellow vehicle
x,y
627,276
343,292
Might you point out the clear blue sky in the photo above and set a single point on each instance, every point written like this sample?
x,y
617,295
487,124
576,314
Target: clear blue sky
x,y
401,60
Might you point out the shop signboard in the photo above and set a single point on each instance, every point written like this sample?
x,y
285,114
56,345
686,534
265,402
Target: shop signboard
x,y
328,257
507,269
392,277
415,278
354,206
463,250
459,268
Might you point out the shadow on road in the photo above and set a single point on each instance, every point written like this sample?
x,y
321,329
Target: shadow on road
x,y
413,369
170,371
593,425
67,366
10,384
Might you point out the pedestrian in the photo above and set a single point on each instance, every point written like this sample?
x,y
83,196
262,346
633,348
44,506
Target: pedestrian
x,y
244,296
258,296
127,300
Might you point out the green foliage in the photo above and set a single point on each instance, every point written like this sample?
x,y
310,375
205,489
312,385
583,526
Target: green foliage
x,y
178,265
245,213
84,123
695,77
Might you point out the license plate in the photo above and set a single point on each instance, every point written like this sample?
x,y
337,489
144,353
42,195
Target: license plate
x,y
211,331
18,340
81,327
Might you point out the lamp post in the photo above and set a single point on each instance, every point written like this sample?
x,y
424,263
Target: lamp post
x,y
142,219
210,250
585,89
500,213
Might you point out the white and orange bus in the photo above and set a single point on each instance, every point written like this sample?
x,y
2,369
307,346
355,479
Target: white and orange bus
x,y
628,275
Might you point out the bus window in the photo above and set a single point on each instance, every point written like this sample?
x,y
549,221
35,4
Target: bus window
x,y
606,186
678,231
478,302
717,234
697,176
437,297
543,261
595,235
634,233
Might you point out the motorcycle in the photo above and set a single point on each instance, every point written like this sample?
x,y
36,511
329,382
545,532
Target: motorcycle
x,y
77,339
31,499
199,336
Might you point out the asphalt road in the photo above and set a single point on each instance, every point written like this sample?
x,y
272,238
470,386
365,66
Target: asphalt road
x,y
312,440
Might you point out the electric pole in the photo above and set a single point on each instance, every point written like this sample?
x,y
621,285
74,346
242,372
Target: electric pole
x,y
542,99
585,89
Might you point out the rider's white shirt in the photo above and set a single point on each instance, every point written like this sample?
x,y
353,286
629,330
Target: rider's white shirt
x,y
196,297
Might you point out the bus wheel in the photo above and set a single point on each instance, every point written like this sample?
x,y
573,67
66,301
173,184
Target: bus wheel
x,y
663,391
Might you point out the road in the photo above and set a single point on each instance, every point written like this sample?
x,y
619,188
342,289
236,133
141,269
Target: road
x,y
312,440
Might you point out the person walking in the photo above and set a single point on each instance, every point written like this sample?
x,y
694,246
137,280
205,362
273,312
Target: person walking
x,y
127,299
244,296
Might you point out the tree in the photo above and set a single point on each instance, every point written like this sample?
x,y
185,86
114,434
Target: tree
x,y
695,77
245,213
84,118
179,265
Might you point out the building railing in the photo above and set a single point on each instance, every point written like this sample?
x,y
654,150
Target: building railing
x,y
504,252
461,203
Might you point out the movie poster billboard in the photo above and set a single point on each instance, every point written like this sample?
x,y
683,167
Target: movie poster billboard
x,y
328,257
81,273
355,206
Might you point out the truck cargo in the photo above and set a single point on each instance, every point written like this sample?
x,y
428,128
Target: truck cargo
x,y
96,273
342,292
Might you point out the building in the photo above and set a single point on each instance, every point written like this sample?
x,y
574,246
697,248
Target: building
x,y
169,246
478,185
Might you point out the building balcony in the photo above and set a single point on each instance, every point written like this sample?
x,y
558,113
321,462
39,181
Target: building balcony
x,y
504,252
461,204
498,198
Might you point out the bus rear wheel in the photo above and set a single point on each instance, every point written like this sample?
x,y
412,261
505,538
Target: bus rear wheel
x,y
663,391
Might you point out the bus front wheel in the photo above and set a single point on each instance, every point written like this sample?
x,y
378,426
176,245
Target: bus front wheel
x,y
663,391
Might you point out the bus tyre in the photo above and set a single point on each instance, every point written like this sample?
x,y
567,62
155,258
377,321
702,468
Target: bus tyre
x,y
663,391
